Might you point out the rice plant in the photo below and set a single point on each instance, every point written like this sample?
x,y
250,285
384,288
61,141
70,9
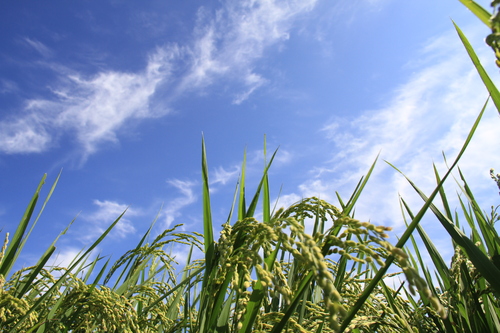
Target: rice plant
x,y
268,275
265,273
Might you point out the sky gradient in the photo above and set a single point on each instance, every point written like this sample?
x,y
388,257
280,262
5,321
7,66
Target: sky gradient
x,y
119,95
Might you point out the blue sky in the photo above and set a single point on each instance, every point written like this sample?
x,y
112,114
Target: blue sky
x,y
119,94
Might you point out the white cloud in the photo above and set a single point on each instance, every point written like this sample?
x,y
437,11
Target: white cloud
x,y
431,113
222,176
172,211
252,81
106,213
229,42
94,108
27,134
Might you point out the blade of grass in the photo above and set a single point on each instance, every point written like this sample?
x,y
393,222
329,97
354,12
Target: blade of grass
x,y
442,193
225,314
306,280
266,201
478,10
207,214
181,284
258,292
207,217
241,203
492,89
437,260
133,261
14,246
488,231
357,192
297,297
175,305
304,284
253,204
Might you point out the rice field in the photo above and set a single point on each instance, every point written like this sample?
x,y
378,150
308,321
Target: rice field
x,y
264,273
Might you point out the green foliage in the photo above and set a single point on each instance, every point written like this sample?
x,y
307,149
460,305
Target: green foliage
x,y
269,276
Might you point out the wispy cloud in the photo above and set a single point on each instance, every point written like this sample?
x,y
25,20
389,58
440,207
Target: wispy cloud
x,y
222,176
26,134
8,86
107,212
174,207
38,46
430,114
230,41
93,109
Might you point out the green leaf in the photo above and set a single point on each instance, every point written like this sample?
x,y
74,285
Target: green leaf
x,y
16,243
253,204
207,219
492,89
359,188
479,11
207,214
242,209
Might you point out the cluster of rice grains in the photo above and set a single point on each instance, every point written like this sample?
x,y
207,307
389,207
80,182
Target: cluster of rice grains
x,y
75,306
12,307
53,299
242,247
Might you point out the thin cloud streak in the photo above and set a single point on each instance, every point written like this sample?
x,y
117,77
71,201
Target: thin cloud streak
x,y
174,207
92,109
38,46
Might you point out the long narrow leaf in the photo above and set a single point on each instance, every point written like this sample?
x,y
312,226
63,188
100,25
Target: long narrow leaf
x,y
436,257
355,196
207,218
253,204
207,215
15,245
492,89
479,11
242,209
